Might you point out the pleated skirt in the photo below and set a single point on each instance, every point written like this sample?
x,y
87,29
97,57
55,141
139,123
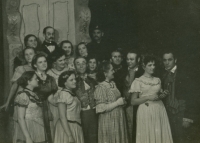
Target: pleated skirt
x,y
153,124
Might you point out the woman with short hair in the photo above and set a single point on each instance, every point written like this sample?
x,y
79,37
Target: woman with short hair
x,y
109,106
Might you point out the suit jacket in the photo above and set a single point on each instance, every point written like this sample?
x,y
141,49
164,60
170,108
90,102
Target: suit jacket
x,y
185,90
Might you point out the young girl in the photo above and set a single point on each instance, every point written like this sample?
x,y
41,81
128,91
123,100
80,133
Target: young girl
x,y
69,52
47,87
29,126
68,128
28,55
82,50
92,67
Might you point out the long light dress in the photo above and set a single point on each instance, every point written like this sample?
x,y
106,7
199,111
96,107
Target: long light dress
x,y
112,124
33,118
152,120
53,106
73,109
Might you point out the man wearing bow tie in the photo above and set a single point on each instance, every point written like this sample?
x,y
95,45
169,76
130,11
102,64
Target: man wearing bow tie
x,y
179,103
48,46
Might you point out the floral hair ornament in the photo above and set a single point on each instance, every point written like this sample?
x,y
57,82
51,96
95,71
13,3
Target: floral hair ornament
x,y
65,76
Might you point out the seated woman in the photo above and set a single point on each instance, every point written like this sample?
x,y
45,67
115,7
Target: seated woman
x,y
29,126
30,40
112,123
92,67
69,52
82,50
28,54
68,128
152,120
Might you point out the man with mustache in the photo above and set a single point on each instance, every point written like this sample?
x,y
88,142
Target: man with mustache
x,y
99,47
48,46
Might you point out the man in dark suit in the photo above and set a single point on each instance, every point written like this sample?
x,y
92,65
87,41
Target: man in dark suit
x,y
99,47
133,72
180,102
48,46
85,92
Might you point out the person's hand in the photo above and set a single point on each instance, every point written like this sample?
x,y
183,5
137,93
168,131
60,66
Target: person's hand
x,y
152,97
163,94
120,101
29,140
4,106
71,139
186,124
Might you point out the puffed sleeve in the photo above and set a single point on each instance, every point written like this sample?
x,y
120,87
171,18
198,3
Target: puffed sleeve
x,y
100,98
18,73
135,86
22,100
65,97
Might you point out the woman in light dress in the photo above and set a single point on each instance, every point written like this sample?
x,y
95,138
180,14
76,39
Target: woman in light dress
x,y
29,127
58,64
152,120
112,123
68,128
28,54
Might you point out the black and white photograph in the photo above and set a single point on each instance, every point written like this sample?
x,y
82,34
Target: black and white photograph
x,y
100,71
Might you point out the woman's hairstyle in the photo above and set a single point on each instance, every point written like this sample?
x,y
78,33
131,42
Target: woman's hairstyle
x,y
26,76
35,58
103,68
27,37
88,60
148,58
67,41
77,50
63,78
27,48
55,55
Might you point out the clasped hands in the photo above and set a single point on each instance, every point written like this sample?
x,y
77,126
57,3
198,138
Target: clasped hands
x,y
158,96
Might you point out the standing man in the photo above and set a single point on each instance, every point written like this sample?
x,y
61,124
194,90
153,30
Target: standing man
x,y
132,73
48,46
180,101
85,92
119,70
99,46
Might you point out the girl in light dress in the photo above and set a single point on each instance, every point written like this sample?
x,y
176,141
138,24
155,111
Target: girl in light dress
x,y
29,127
28,54
152,120
58,63
68,128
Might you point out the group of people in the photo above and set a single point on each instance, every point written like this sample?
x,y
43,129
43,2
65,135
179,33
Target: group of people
x,y
92,96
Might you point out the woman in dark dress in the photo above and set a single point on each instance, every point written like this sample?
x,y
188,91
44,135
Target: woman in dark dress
x,y
47,86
